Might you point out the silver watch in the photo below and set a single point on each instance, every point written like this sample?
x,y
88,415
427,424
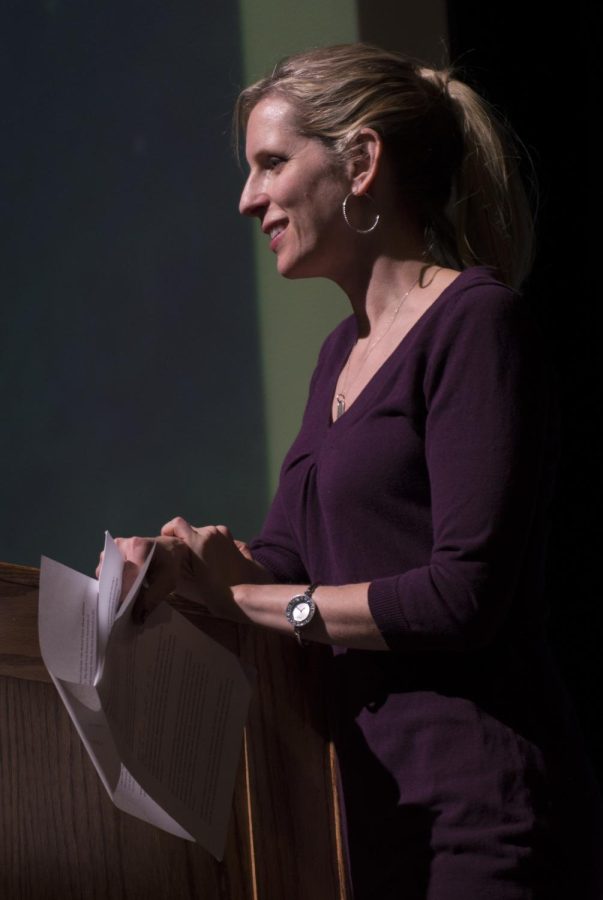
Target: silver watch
x,y
300,611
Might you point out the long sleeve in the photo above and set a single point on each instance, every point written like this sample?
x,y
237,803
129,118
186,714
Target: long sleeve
x,y
487,449
275,548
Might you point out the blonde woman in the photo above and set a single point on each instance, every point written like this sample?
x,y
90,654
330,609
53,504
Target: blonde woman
x,y
410,524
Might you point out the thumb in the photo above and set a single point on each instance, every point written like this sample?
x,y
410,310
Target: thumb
x,y
244,549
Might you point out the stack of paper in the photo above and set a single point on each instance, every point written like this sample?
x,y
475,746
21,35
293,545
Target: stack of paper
x,y
160,707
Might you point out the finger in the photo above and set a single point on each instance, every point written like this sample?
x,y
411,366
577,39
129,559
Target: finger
x,y
177,527
135,549
243,548
120,543
100,563
210,531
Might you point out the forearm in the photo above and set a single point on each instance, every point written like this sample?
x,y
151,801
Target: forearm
x,y
342,613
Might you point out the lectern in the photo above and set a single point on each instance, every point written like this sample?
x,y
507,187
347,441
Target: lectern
x,y
61,837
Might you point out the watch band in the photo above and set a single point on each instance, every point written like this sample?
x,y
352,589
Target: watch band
x,y
305,605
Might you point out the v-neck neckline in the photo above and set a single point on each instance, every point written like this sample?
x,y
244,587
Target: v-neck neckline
x,y
387,362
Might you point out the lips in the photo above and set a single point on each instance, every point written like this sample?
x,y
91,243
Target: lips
x,y
275,232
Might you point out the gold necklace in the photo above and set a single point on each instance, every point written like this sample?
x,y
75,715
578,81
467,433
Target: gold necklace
x,y
340,398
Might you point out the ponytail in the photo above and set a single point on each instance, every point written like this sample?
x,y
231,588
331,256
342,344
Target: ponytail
x,y
488,219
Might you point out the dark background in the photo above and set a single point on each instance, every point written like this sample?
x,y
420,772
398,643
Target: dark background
x,y
540,71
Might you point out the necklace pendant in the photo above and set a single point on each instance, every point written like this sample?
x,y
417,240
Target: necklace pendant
x,y
340,400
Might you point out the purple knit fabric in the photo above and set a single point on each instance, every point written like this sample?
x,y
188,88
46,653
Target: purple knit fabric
x,y
435,487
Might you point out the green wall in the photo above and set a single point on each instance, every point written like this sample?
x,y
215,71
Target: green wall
x,y
293,316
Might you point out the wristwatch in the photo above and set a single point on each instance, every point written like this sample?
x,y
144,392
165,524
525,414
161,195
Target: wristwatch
x,y
300,611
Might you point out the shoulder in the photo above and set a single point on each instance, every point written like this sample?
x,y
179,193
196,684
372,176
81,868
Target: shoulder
x,y
478,290
483,330
478,305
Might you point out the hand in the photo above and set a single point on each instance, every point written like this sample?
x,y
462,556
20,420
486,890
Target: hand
x,y
135,551
229,561
199,564
165,571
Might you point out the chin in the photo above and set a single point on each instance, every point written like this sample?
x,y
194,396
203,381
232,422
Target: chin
x,y
300,269
290,272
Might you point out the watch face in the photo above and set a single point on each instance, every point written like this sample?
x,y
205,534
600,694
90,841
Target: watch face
x,y
301,612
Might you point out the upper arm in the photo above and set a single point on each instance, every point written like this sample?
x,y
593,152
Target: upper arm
x,y
486,454
276,548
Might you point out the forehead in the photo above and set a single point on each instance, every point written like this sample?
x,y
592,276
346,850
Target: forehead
x,y
271,120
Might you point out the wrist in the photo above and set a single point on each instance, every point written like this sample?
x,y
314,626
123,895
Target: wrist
x,y
265,604
241,594
300,612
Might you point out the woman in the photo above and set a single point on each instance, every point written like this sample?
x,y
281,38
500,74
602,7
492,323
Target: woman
x,y
409,526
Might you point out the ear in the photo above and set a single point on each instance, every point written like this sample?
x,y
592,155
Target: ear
x,y
365,161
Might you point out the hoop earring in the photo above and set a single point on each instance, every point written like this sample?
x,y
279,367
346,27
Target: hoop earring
x,y
344,209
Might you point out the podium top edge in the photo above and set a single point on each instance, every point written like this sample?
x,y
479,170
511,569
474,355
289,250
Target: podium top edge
x,y
14,574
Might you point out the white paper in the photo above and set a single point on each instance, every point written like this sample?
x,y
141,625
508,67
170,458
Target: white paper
x,y
160,707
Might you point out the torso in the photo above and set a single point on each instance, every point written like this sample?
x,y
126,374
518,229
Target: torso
x,y
432,741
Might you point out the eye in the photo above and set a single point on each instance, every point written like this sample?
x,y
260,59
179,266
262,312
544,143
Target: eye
x,y
273,162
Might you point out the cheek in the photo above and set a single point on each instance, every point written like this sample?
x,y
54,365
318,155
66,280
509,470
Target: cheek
x,y
324,202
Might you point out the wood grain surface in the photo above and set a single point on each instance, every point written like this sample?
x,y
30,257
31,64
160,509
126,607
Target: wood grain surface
x,y
19,645
61,837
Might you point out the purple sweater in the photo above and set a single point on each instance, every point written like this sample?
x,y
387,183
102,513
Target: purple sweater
x,y
435,487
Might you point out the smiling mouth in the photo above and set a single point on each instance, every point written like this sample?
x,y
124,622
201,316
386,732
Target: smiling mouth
x,y
274,232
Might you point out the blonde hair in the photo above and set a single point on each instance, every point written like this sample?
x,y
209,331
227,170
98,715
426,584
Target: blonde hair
x,y
455,161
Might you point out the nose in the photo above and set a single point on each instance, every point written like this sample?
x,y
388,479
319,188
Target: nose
x,y
253,201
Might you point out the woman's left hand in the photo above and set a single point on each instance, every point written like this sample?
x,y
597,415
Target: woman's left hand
x,y
227,561
198,564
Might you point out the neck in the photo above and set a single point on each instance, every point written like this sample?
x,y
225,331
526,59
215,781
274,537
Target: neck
x,y
379,270
375,298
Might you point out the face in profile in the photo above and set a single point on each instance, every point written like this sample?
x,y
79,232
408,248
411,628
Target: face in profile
x,y
296,189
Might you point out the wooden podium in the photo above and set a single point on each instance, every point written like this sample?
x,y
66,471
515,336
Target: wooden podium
x,y
61,837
